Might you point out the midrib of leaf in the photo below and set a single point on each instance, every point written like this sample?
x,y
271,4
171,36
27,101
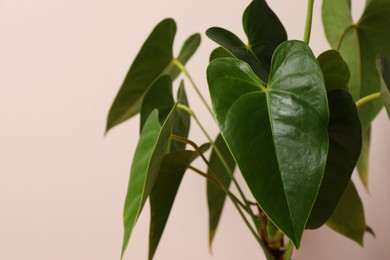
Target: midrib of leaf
x,y
278,160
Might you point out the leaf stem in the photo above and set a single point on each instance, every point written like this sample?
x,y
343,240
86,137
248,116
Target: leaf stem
x,y
224,163
187,74
309,19
367,99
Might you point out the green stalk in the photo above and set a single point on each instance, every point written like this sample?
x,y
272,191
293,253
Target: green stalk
x,y
223,161
367,99
309,19
185,72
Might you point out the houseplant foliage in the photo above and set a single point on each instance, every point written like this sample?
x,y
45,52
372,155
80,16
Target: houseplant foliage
x,y
294,125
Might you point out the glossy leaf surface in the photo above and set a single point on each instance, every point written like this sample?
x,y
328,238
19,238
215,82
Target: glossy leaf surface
x,y
153,60
164,192
359,43
264,31
384,69
345,141
281,157
215,195
348,218
147,160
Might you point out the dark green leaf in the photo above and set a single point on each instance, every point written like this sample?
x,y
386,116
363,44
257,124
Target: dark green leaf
x,y
215,195
363,161
384,68
153,60
264,31
348,218
280,155
359,43
164,192
183,119
335,70
370,231
237,48
147,160
219,53
345,140
159,96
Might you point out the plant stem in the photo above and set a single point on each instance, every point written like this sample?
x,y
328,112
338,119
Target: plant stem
x,y
367,99
187,74
309,19
224,163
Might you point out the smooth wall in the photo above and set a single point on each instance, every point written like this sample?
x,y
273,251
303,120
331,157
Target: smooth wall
x,y
63,183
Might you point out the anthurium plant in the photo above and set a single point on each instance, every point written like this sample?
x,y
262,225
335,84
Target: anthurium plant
x,y
294,125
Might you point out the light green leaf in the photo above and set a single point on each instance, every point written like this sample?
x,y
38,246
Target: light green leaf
x,y
219,52
384,68
359,43
264,31
153,60
164,192
345,141
281,157
348,218
147,160
215,195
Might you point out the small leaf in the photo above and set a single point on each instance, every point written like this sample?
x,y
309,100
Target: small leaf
x,y
348,218
153,60
164,192
384,68
219,53
281,157
264,31
215,195
345,141
237,48
183,119
370,231
335,70
147,160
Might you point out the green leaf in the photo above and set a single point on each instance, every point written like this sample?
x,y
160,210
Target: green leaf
x,y
363,162
153,60
219,52
359,43
183,119
370,231
384,68
335,70
147,160
345,141
264,31
237,48
348,218
159,96
215,195
281,156
164,192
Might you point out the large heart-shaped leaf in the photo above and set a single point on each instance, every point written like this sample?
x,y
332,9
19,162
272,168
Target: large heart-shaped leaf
x,y
359,43
384,68
335,70
277,134
264,32
345,141
348,218
147,160
215,195
164,192
160,97
153,60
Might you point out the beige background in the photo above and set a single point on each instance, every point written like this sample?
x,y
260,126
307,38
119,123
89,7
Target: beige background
x,y
63,184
